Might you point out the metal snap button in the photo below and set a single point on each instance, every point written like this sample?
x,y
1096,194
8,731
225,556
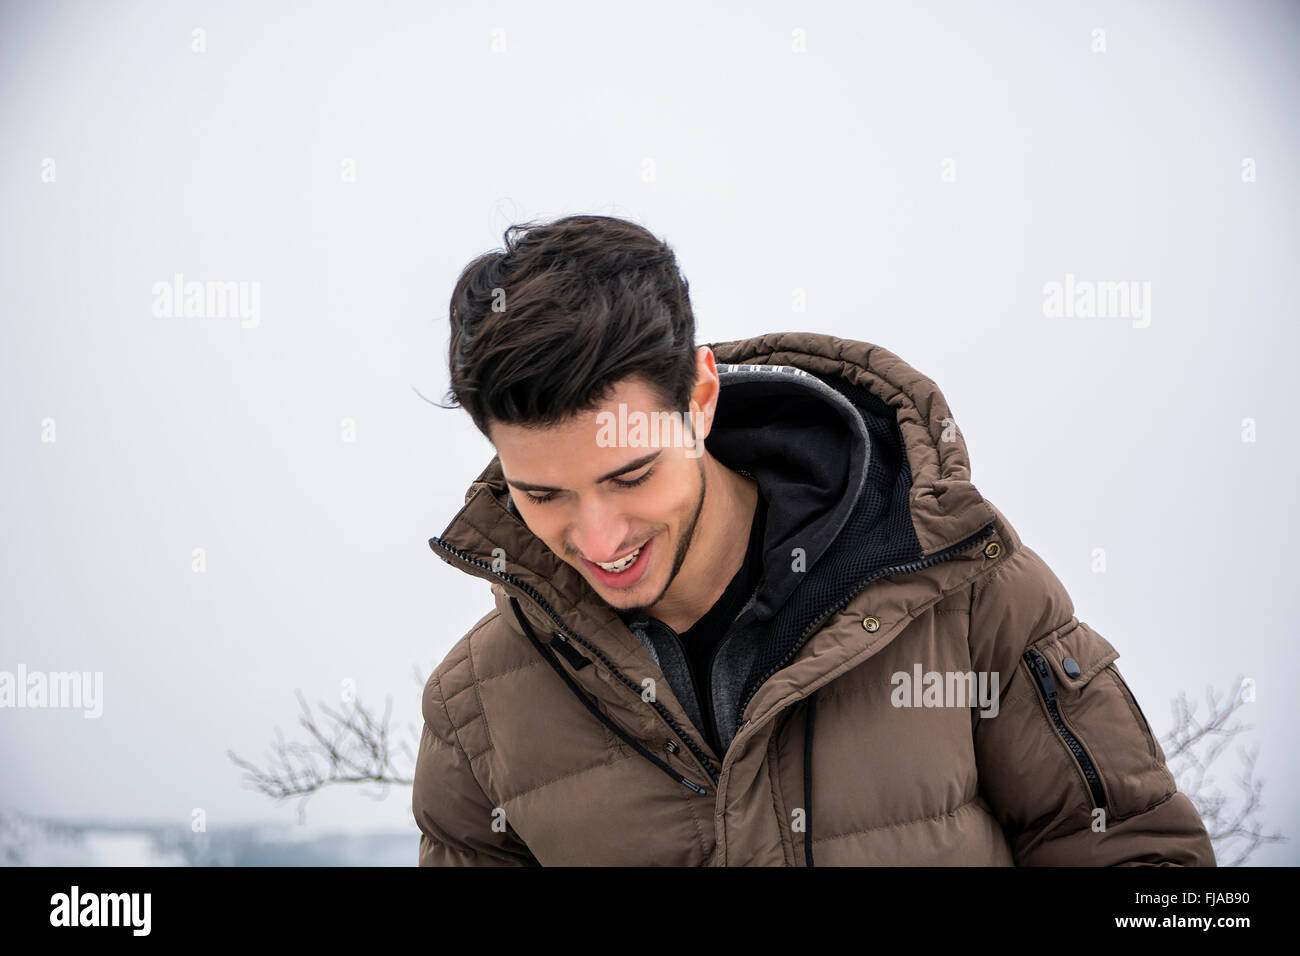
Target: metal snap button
x,y
870,624
992,549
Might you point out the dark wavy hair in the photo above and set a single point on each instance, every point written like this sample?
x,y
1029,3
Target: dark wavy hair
x,y
545,328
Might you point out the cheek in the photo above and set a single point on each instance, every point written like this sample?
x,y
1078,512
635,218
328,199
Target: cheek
x,y
664,507
673,509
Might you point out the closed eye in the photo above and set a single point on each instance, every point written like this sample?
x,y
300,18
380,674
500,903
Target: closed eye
x,y
635,481
542,499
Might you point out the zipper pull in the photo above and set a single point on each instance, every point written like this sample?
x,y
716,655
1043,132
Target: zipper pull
x,y
693,785
571,653
1043,673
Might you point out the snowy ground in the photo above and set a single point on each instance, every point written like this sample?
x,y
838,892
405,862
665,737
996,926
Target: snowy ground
x,y
30,841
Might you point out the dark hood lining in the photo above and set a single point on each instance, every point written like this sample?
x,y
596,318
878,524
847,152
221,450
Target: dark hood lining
x,y
806,446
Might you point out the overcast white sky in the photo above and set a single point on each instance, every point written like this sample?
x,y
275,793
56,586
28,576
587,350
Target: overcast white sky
x,y
920,170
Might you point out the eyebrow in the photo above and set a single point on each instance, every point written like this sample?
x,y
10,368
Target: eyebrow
x,y
623,470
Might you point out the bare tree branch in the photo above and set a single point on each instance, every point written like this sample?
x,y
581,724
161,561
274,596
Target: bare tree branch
x,y
1191,749
352,747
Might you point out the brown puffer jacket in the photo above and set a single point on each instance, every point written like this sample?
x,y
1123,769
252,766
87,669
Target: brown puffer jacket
x,y
854,728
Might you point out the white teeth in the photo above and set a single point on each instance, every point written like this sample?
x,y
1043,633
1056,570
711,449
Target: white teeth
x,y
622,565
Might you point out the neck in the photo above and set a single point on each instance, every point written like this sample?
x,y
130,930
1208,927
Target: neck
x,y
717,548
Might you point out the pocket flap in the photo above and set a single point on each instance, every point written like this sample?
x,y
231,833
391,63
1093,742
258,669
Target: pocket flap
x,y
1088,651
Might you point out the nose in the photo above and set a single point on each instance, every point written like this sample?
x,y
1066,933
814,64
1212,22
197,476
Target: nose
x,y
600,533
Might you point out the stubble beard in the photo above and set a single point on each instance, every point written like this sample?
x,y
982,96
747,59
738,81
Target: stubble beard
x,y
683,546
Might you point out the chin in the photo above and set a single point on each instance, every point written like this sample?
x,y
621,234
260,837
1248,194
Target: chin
x,y
626,599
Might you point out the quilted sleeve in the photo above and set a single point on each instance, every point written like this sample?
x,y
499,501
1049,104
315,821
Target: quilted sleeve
x,y
459,826
1069,764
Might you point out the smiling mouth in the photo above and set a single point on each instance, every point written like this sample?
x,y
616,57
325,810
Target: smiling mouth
x,y
623,563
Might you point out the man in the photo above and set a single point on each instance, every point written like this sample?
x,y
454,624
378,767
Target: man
x,y
793,633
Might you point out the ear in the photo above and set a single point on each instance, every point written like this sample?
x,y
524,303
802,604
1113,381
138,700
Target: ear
x,y
704,398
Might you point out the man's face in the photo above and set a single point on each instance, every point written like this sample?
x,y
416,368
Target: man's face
x,y
605,499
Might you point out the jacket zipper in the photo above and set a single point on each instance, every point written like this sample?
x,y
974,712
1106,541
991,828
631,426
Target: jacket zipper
x,y
1043,676
564,633
949,552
